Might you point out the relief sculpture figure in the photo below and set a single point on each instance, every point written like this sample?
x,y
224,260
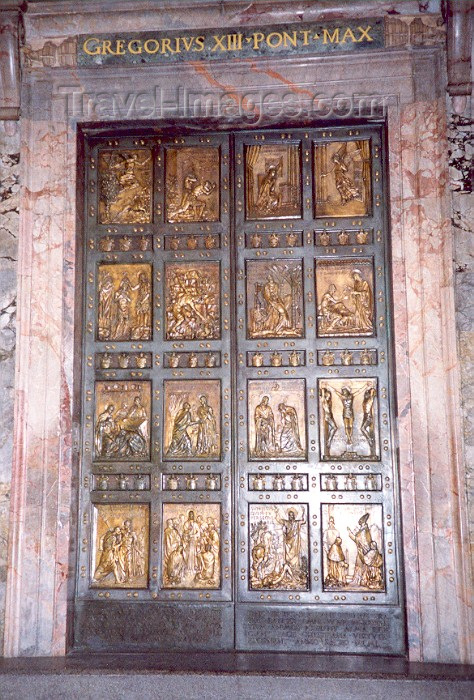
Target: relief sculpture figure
x,y
124,307
192,307
269,196
345,185
189,204
279,550
122,555
264,429
123,432
289,442
367,427
353,561
276,311
345,299
125,187
329,424
191,550
194,432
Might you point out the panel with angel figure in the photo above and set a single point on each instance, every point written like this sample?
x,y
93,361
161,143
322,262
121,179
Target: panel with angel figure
x,y
125,187
272,181
353,558
278,547
342,177
120,545
192,419
192,184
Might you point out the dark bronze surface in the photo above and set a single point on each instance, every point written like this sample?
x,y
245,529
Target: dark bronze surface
x,y
239,484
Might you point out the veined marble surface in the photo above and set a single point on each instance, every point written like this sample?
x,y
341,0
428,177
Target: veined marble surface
x,y
9,204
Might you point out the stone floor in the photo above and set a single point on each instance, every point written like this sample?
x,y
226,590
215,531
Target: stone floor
x,y
243,676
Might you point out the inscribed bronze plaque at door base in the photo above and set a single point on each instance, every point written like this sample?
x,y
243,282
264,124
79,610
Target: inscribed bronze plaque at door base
x,y
342,177
345,297
275,299
278,538
192,419
120,545
192,294
191,545
125,187
122,420
277,419
124,302
353,547
348,424
272,181
192,184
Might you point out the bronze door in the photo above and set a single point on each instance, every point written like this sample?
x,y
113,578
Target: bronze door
x,y
239,484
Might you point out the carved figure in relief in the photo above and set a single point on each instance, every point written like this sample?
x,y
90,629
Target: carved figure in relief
x,y
367,427
125,188
345,185
124,312
330,427
199,420
268,193
337,565
369,561
264,429
122,553
277,305
361,295
122,433
191,551
206,428
334,313
289,440
279,550
347,398
192,306
189,204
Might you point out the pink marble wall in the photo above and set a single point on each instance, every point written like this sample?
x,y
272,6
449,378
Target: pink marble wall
x,y
433,499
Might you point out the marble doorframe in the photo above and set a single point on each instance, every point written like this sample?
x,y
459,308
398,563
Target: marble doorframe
x,y
42,527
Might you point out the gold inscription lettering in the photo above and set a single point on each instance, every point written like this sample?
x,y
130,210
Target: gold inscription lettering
x,y
331,38
219,43
305,33
364,33
348,34
149,43
258,37
271,41
135,46
89,50
290,40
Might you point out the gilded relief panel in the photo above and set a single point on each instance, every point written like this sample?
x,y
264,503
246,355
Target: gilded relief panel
x,y
353,558
191,548
124,303
122,420
342,177
276,419
275,299
192,300
278,536
348,425
125,179
345,297
120,545
192,184
192,419
272,181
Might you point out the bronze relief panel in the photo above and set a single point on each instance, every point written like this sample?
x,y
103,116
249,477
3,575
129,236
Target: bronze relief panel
x,y
191,547
275,299
120,545
278,537
125,183
122,420
124,303
353,547
348,425
272,181
192,419
276,419
192,184
345,297
192,301
342,177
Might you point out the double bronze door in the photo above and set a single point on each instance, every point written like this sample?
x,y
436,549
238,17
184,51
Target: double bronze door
x,y
238,473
